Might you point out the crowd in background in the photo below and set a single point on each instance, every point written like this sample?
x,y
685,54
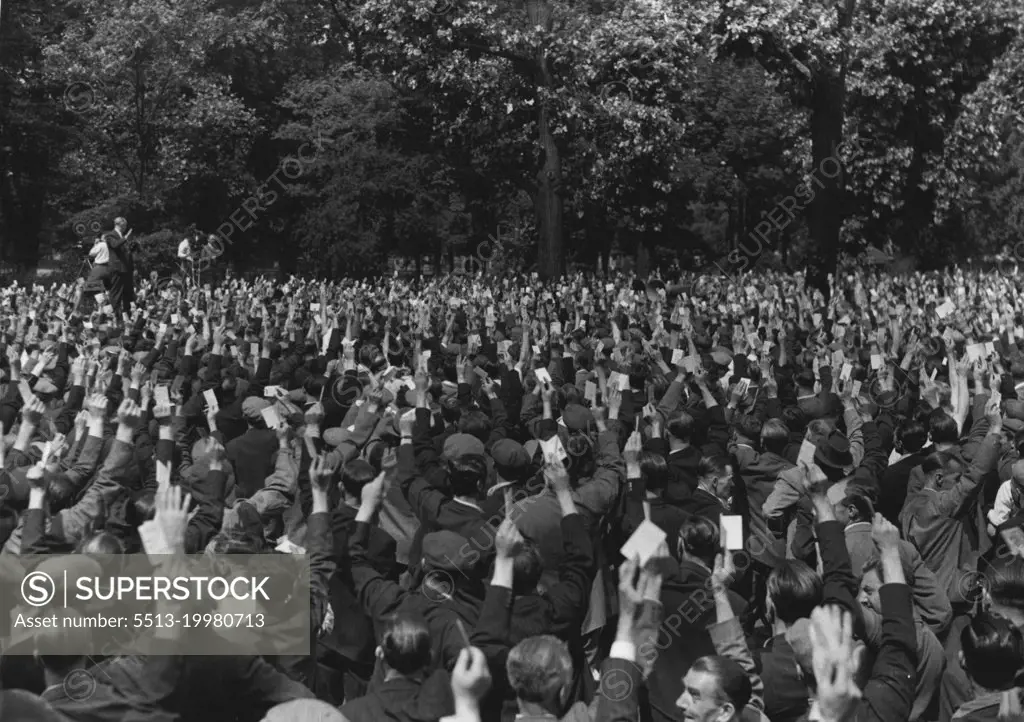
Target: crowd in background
x,y
519,498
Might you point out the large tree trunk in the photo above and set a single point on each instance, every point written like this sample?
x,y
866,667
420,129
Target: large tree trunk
x,y
827,210
548,203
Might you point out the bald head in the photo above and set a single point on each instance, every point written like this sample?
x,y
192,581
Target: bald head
x,y
1017,472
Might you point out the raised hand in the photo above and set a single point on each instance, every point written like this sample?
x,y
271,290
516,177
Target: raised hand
x,y
129,413
836,661
508,539
172,514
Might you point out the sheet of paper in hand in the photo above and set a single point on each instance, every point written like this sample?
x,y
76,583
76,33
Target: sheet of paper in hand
x,y
677,356
287,546
153,541
590,392
876,362
945,309
542,376
161,395
1014,538
691,363
553,450
806,456
211,400
847,372
644,542
976,351
270,417
732,529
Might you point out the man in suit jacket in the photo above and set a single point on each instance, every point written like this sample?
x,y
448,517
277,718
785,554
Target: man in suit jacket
x,y
122,266
930,600
910,452
689,609
345,657
252,454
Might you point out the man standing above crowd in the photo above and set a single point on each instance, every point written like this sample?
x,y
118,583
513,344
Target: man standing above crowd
x,y
122,266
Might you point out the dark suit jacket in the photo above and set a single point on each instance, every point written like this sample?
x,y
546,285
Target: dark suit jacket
x,y
352,637
893,491
689,609
785,694
115,700
121,256
682,470
705,504
404,700
212,689
252,457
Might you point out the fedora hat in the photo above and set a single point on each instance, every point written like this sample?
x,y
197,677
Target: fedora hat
x,y
833,451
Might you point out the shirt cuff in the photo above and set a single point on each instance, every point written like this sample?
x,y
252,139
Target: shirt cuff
x,y
623,650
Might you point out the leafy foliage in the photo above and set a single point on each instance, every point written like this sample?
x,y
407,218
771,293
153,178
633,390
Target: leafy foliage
x,y
329,137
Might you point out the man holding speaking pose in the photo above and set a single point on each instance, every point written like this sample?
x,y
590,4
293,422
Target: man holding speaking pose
x,y
122,266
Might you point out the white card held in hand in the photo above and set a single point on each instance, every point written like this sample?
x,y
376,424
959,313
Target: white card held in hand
x,y
644,542
163,473
271,418
174,319
211,400
691,363
153,541
876,362
590,392
856,389
945,309
806,456
1014,538
287,546
161,395
254,349
543,376
847,372
553,450
624,382
677,356
732,529
271,392
990,348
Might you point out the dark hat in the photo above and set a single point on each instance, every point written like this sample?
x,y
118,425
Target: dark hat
x,y
833,451
1014,409
1014,426
577,418
252,408
458,445
447,551
510,459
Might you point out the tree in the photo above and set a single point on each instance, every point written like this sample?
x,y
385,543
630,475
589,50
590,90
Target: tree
x,y
149,115
888,55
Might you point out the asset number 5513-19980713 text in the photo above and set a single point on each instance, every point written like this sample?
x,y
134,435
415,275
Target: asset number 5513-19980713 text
x,y
199,621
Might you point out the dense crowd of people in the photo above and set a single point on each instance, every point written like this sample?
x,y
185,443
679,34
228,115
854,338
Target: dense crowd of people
x,y
714,499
